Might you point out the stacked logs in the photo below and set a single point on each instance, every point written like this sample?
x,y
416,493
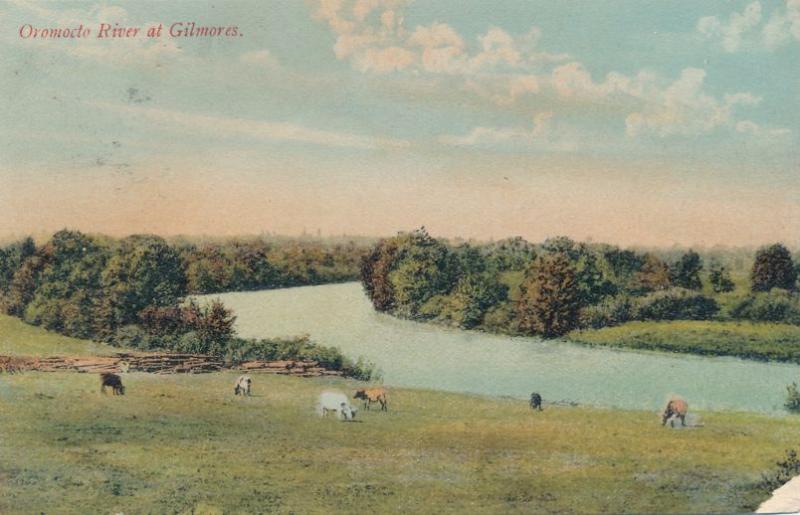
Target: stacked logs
x,y
11,364
81,364
170,363
302,368
160,363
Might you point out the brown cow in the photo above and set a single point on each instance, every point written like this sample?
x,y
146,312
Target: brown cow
x,y
112,380
370,395
675,408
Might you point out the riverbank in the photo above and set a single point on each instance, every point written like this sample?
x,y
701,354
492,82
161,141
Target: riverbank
x,y
748,340
180,442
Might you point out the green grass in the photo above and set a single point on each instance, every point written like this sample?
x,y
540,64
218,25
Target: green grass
x,y
179,443
19,338
760,341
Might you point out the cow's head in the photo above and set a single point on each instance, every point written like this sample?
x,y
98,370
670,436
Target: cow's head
x,y
667,413
360,394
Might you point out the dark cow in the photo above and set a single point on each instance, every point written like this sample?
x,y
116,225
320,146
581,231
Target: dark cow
x,y
536,401
675,408
112,380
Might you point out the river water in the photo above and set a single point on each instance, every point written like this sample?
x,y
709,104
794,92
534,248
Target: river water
x,y
426,356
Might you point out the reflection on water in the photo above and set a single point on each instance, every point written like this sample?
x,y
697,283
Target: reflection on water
x,y
427,356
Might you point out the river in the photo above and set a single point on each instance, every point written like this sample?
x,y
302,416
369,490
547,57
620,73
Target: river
x,y
427,356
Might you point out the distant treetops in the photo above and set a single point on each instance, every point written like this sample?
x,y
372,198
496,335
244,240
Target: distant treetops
x,y
549,289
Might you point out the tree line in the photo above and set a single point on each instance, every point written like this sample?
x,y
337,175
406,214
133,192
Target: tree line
x,y
517,287
132,292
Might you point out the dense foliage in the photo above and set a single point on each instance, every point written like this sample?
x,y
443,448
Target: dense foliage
x,y
132,292
549,289
773,268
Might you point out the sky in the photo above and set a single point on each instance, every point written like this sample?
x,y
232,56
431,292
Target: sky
x,y
632,122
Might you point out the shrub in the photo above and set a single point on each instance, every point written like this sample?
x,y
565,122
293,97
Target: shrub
x,y
777,305
298,348
787,469
132,336
773,268
676,304
501,319
610,312
792,398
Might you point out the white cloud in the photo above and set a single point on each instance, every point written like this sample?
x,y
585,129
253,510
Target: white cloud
x,y
684,108
754,129
731,32
372,36
263,58
541,133
510,70
746,27
226,127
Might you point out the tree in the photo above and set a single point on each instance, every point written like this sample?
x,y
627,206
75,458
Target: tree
x,y
550,296
212,326
685,273
145,271
375,268
773,268
652,276
476,294
720,278
593,284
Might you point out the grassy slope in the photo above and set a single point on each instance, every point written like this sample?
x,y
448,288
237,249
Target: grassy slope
x,y
763,341
19,338
175,443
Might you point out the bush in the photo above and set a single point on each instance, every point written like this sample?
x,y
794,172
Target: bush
x,y
298,348
363,370
787,469
777,305
792,398
132,336
676,304
501,319
610,312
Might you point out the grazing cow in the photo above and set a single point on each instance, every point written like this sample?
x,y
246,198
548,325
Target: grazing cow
x,y
335,402
536,401
675,408
370,395
243,384
112,380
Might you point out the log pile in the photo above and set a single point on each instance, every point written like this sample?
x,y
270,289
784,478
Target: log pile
x,y
11,364
160,363
170,363
302,368
96,364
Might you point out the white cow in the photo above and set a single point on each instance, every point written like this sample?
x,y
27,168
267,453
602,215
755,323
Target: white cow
x,y
338,403
243,384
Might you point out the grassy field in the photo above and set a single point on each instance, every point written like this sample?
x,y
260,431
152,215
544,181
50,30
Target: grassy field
x,y
19,338
175,444
760,341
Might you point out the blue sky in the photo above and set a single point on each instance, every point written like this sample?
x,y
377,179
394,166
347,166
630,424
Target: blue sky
x,y
634,122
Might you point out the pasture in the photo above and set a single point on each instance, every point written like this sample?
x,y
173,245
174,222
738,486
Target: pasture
x,y
751,340
186,444
19,338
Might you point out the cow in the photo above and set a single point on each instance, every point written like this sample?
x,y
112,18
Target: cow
x,y
242,387
370,395
335,402
536,401
675,408
112,380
